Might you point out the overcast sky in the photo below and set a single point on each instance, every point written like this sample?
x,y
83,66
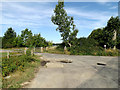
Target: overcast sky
x,y
36,16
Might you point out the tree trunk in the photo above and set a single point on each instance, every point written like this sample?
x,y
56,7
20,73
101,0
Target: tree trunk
x,y
114,38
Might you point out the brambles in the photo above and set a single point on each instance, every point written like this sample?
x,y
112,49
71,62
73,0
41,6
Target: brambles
x,y
15,63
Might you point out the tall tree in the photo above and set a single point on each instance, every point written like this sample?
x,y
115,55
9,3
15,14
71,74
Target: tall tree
x,y
8,38
112,28
65,24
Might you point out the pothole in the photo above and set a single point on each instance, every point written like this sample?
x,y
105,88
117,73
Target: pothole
x,y
55,63
62,61
102,64
43,63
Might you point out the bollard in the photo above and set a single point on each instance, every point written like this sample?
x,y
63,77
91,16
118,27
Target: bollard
x,y
46,48
41,49
25,51
34,49
31,52
8,55
65,48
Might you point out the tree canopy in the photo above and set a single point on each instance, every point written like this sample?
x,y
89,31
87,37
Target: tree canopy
x,y
26,39
104,36
8,38
65,24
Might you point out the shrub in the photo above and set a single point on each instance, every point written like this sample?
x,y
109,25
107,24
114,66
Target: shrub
x,y
28,52
107,53
15,63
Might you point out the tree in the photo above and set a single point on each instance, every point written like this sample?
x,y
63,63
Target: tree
x,y
50,43
97,35
113,26
8,38
18,42
39,41
106,36
65,24
26,36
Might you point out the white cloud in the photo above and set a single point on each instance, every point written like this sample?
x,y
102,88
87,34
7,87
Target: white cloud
x,y
113,7
95,15
89,20
18,14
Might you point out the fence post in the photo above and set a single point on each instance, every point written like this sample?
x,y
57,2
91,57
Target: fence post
x,y
41,49
8,55
46,48
25,50
65,49
32,52
34,49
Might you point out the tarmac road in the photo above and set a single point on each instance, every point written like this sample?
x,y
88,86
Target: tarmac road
x,y
83,72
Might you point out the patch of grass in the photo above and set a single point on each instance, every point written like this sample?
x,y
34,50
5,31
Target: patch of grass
x,y
52,50
55,51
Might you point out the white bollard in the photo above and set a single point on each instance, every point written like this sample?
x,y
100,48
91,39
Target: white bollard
x,y
8,55
31,52
34,49
41,49
65,48
46,48
25,50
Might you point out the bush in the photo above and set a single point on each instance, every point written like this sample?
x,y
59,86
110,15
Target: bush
x,y
28,52
107,53
15,63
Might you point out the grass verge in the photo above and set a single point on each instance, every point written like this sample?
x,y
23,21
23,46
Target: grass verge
x,y
18,77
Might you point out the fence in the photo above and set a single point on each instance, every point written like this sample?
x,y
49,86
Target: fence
x,y
23,51
17,52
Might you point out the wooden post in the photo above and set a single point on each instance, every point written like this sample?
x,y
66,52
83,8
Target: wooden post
x,y
41,49
31,52
25,51
65,49
46,48
8,55
34,49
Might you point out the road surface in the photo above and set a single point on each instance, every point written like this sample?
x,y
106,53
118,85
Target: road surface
x,y
83,72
